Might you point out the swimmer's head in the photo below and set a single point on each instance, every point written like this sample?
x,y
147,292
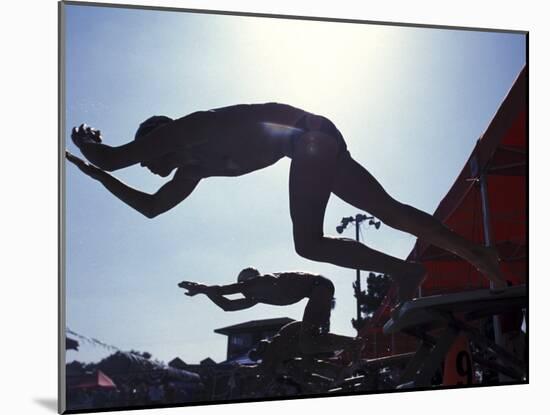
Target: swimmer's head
x,y
150,124
247,274
162,166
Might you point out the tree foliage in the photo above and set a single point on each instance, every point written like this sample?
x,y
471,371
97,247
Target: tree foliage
x,y
371,298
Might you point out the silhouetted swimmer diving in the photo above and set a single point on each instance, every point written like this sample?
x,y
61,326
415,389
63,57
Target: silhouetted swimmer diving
x,y
284,288
239,139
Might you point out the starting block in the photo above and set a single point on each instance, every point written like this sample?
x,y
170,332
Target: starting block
x,y
434,321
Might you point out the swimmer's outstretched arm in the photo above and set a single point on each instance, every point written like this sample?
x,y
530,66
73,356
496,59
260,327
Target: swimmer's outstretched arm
x,y
216,294
150,205
230,305
158,143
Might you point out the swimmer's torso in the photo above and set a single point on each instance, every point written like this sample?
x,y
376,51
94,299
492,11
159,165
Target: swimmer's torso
x,y
236,140
280,288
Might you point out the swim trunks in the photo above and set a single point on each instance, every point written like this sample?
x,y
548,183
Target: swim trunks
x,y
325,126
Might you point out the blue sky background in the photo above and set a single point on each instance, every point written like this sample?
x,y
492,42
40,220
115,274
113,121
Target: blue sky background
x,y
410,102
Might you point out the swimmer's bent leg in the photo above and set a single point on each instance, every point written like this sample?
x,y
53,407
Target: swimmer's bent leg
x,y
356,186
313,338
312,174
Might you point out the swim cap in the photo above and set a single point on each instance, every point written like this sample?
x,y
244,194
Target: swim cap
x,y
247,274
151,124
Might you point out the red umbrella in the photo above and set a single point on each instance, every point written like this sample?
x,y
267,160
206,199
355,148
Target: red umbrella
x,y
500,154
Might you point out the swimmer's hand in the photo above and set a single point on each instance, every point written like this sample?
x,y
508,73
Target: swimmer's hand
x,y
193,288
84,166
85,135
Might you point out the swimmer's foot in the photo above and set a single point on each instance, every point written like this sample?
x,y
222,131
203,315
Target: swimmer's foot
x,y
486,260
409,283
394,312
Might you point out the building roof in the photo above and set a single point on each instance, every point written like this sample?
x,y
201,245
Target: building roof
x,y
97,379
207,361
265,324
177,363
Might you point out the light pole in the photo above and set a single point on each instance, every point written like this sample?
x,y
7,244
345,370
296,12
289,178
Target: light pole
x,y
358,219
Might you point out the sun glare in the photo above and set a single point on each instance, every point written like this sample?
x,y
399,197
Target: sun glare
x,y
321,63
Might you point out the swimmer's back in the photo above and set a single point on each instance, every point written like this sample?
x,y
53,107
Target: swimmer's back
x,y
271,112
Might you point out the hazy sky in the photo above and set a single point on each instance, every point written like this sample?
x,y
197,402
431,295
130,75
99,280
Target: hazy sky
x,y
410,103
